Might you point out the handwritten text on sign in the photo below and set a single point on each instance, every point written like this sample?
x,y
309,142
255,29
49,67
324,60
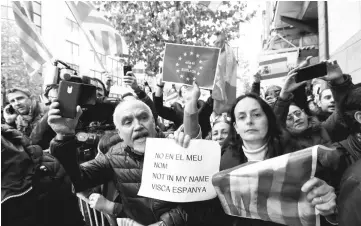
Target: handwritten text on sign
x,y
176,174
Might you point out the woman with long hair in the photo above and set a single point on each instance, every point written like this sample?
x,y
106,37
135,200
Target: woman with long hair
x,y
255,135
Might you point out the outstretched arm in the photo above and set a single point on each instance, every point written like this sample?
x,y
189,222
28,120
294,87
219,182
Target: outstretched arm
x,y
64,148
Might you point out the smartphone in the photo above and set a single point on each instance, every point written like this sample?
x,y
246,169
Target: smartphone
x,y
311,72
10,110
126,69
72,94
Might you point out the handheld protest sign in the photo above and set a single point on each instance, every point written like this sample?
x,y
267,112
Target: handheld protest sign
x,y
185,64
176,174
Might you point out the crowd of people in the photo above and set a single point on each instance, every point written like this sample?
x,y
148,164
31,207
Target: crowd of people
x,y
40,148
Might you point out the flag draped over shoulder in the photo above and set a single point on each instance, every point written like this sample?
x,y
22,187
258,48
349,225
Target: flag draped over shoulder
x,y
35,53
104,35
270,190
225,82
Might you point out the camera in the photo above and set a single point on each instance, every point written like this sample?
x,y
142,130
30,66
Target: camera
x,y
73,90
89,138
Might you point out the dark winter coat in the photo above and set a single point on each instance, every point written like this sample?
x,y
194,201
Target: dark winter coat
x,y
26,123
349,200
331,165
124,168
34,188
333,125
175,113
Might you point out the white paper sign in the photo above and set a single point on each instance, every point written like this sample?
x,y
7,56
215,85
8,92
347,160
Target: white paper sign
x,y
175,174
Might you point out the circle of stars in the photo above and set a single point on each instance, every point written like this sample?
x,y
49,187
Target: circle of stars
x,y
187,76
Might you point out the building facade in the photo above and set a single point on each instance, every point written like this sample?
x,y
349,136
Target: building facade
x,y
67,42
311,28
344,36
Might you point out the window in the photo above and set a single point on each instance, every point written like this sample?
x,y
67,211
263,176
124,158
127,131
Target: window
x,y
7,12
96,74
4,12
72,26
31,6
73,48
74,66
102,58
37,7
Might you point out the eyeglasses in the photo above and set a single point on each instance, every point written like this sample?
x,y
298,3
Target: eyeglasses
x,y
290,117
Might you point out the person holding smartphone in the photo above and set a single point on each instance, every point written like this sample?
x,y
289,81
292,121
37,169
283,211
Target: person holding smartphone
x,y
308,130
23,112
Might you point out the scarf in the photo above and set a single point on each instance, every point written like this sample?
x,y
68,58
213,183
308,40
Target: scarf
x,y
24,123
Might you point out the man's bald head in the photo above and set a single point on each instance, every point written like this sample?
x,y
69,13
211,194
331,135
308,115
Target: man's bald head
x,y
134,122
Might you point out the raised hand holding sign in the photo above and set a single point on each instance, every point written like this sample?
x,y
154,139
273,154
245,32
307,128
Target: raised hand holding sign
x,y
185,64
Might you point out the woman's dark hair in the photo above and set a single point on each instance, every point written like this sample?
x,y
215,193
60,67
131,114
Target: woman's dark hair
x,y
234,141
350,104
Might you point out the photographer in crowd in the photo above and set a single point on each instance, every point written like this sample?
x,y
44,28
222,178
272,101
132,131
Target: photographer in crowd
x,y
308,130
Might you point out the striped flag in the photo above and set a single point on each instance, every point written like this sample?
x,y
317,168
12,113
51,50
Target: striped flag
x,y
225,82
102,32
35,53
270,190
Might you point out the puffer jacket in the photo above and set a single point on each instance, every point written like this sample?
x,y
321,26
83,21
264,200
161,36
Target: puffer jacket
x,y
349,200
124,168
35,190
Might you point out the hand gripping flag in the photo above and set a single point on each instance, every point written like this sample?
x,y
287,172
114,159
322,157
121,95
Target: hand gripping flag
x,y
185,64
103,33
270,190
35,53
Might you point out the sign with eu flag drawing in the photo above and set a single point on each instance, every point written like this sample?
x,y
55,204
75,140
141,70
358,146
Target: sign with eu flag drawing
x,y
186,63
